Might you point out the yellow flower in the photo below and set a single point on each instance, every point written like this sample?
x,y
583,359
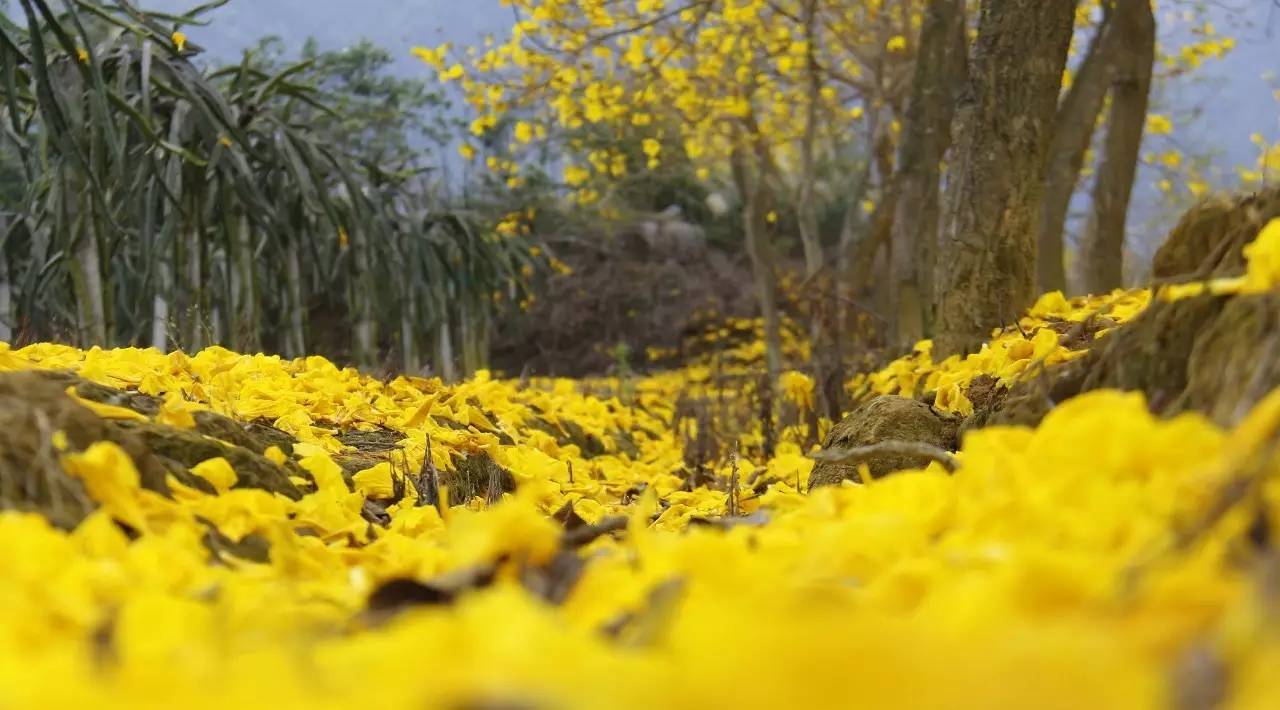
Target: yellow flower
x,y
375,482
523,132
111,479
897,43
179,40
218,472
106,411
1263,257
1158,125
798,388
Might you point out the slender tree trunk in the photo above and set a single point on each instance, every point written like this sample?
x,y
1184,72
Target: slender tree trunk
x,y
880,226
160,307
1004,126
365,331
296,342
1103,253
466,340
1077,119
445,365
194,275
6,284
806,204
245,322
408,325
750,181
86,275
926,135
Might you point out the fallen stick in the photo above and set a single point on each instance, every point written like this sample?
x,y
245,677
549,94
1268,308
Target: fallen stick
x,y
859,454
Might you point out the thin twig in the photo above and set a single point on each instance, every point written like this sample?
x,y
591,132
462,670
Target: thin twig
x,y
733,481
581,536
429,480
895,447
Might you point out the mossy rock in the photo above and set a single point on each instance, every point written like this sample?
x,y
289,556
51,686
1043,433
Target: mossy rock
x,y
33,406
1209,239
887,418
1236,360
1150,353
185,449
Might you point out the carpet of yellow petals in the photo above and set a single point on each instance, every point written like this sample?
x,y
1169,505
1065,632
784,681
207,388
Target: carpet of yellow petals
x,y
1032,343
1079,564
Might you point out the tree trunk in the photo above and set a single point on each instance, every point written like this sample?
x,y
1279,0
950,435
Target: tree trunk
x,y
6,284
86,274
444,351
296,342
408,326
926,135
806,204
160,307
1004,126
750,181
1102,257
196,314
245,321
365,331
1074,128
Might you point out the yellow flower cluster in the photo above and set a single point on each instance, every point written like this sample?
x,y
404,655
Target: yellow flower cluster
x,y
1044,572
1033,343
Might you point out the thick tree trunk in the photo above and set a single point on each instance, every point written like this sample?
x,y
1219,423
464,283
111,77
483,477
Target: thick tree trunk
x,y
1074,128
926,135
1102,257
1005,123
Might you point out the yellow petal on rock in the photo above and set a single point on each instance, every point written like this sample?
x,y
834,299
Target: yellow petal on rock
x,y
218,472
376,481
275,455
106,411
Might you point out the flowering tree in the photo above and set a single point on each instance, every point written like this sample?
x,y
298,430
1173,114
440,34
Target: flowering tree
x,y
749,90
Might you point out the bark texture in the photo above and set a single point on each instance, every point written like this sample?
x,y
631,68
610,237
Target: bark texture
x,y
1005,122
1102,256
1077,120
748,173
926,135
